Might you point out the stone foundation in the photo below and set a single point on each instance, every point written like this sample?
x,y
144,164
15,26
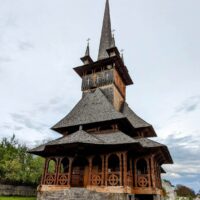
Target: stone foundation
x,y
46,192
79,194
11,190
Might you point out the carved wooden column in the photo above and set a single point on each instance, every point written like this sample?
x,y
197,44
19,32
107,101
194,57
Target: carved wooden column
x,y
121,168
125,168
70,172
106,171
153,178
159,177
57,169
135,172
131,171
148,171
44,171
103,170
155,173
90,170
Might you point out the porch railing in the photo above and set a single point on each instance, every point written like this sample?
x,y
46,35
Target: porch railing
x,y
96,179
60,179
143,180
113,178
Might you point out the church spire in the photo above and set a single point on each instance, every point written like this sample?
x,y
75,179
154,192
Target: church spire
x,y
87,59
106,34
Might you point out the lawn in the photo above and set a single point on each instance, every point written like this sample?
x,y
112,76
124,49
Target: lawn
x,y
17,198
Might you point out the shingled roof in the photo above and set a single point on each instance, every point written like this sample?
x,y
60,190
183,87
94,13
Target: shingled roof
x,y
136,121
93,107
147,143
81,136
116,137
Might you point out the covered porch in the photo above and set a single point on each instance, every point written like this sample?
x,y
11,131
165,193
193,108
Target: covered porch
x,y
114,172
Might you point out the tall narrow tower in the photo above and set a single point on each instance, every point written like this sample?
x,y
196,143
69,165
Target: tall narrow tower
x,y
104,152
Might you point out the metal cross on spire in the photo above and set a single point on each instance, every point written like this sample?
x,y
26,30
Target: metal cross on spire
x,y
88,41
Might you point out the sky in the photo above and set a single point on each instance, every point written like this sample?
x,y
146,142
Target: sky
x,y
42,40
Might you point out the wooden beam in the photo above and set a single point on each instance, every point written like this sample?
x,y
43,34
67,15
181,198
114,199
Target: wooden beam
x,y
125,168
121,168
90,170
70,171
153,172
103,170
135,173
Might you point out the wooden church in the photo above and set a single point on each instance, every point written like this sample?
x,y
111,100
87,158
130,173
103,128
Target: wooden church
x,y
105,152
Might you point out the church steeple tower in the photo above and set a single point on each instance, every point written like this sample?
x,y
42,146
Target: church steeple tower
x,y
104,152
108,73
106,34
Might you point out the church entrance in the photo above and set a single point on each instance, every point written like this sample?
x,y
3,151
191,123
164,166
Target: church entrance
x,y
80,170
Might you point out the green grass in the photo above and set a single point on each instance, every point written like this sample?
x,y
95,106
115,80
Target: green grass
x,y
17,198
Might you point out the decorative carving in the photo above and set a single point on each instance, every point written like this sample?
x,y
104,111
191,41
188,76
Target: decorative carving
x,y
63,179
113,180
142,181
96,180
50,180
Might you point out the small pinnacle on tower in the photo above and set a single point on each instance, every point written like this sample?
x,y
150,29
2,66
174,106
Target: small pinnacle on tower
x,y
122,55
87,52
87,59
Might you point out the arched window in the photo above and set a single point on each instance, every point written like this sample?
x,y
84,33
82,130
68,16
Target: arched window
x,y
52,166
113,163
142,166
97,164
64,167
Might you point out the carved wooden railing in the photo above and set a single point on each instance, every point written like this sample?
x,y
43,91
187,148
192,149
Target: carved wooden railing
x,y
53,179
50,179
113,178
129,179
96,179
143,180
63,179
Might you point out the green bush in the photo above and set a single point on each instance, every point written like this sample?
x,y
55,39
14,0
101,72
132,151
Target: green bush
x,y
17,166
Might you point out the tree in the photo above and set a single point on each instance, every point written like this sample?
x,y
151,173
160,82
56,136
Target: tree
x,y
184,191
16,165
